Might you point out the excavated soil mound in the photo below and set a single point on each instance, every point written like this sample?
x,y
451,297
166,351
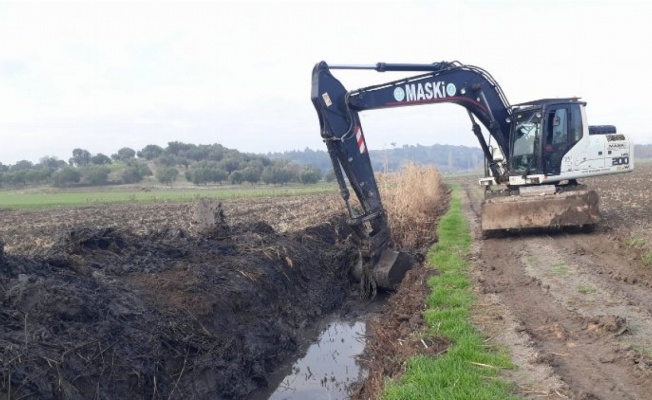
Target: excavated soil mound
x,y
111,313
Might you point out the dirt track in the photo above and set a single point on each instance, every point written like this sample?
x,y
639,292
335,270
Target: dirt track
x,y
574,308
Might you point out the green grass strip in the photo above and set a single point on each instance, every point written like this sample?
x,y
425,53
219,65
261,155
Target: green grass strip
x,y
469,370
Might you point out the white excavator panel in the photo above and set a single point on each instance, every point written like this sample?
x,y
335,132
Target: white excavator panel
x,y
596,155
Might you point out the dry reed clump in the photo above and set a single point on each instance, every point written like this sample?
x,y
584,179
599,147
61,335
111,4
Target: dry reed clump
x,y
413,199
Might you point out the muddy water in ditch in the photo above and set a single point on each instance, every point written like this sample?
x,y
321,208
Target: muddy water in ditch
x,y
329,368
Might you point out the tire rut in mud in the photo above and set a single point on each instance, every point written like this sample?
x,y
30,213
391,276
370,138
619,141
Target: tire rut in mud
x,y
110,313
568,294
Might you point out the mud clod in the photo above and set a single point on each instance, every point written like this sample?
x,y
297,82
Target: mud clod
x,y
608,324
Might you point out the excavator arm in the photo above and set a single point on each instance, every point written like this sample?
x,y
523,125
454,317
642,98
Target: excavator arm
x,y
450,82
337,108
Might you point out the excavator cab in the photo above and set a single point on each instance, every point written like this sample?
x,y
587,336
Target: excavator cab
x,y
550,148
542,134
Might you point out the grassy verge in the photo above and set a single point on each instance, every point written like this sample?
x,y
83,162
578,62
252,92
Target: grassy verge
x,y
50,198
468,369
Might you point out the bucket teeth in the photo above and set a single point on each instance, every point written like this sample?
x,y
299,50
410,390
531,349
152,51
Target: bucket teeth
x,y
389,270
572,208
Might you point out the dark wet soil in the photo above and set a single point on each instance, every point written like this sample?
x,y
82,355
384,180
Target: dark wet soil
x,y
186,300
111,312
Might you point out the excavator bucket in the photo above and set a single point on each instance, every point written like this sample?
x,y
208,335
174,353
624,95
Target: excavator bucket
x,y
390,269
540,207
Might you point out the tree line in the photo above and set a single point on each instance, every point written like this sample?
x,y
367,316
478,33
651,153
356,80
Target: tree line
x,y
216,164
199,164
446,158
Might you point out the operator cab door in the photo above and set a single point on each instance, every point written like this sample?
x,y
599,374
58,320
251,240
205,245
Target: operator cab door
x,y
562,129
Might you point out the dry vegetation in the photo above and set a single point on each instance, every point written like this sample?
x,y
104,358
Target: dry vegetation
x,y
414,199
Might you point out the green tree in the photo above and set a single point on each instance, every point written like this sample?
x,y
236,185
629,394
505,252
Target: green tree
x,y
17,177
310,175
178,148
267,175
49,162
277,174
80,158
131,175
216,152
256,164
167,175
39,175
22,165
230,163
330,175
145,170
125,154
201,176
150,152
135,172
100,159
220,175
236,177
65,177
183,161
166,160
251,175
197,153
94,175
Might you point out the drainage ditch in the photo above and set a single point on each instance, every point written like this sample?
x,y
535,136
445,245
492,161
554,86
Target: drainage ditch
x,y
330,367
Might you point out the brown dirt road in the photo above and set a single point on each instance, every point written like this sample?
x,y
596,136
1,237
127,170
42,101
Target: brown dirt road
x,y
573,308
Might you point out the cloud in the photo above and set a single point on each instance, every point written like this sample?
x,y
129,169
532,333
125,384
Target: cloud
x,y
111,74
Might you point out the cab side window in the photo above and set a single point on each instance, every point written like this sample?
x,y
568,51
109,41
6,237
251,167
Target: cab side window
x,y
559,126
575,125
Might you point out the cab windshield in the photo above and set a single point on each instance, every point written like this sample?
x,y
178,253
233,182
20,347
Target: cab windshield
x,y
525,134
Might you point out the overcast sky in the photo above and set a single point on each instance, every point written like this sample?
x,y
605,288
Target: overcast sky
x,y
104,75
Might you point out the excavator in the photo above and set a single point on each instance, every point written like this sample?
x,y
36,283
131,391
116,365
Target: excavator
x,y
534,154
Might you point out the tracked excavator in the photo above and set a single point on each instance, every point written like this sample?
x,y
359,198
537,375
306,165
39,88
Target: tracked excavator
x,y
535,152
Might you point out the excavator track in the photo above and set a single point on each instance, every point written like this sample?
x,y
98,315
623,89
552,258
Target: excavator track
x,y
541,207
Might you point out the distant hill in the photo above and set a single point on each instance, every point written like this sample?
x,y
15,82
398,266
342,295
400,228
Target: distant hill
x,y
446,158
